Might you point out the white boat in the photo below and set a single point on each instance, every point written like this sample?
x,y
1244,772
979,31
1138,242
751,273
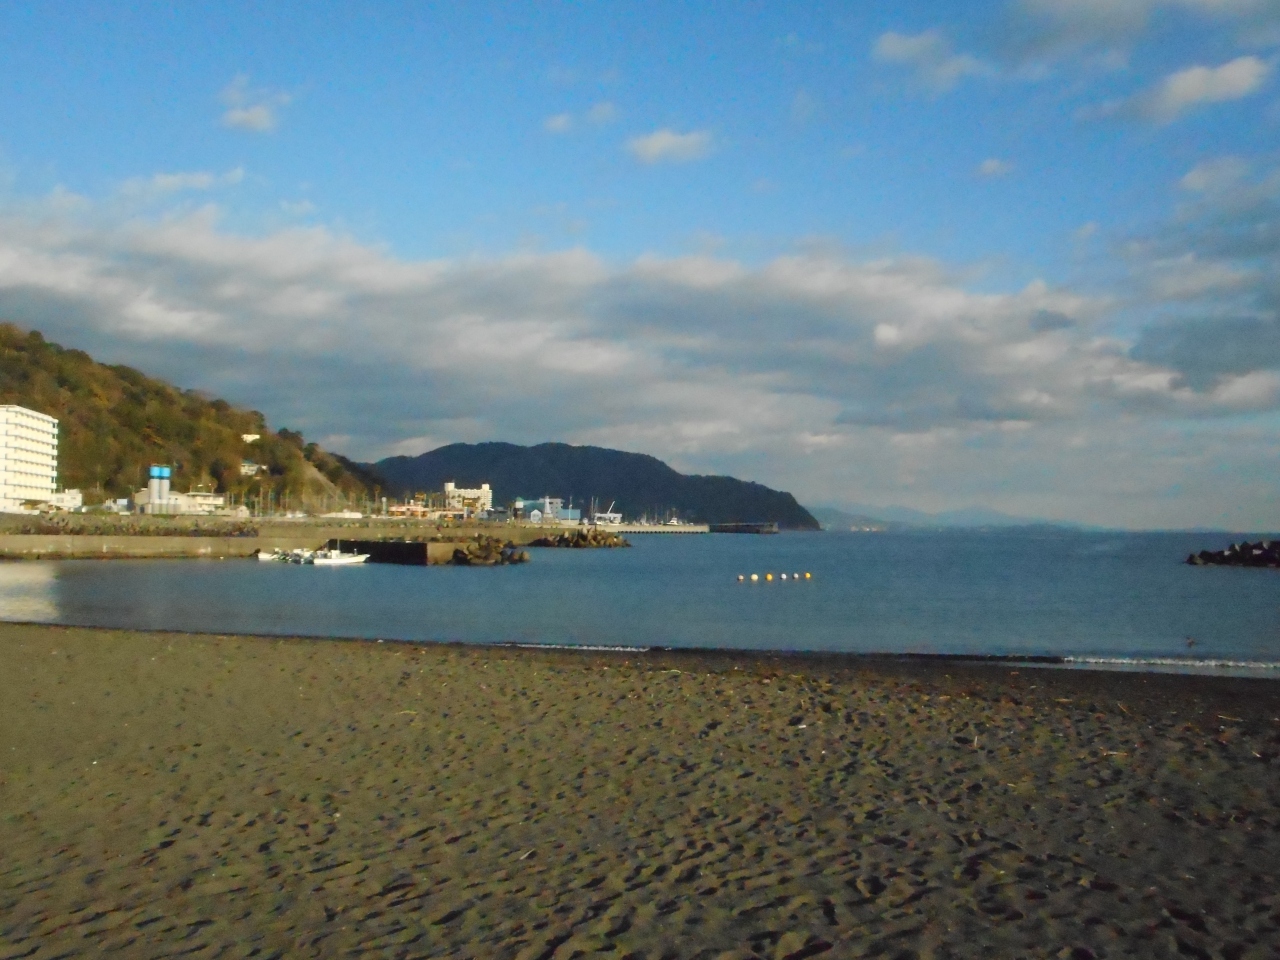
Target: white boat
x,y
607,517
273,555
333,558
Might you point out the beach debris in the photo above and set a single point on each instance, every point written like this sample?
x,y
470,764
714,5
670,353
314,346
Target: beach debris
x,y
526,855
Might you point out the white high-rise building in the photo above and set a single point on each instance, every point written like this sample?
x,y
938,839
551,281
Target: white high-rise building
x,y
28,456
473,500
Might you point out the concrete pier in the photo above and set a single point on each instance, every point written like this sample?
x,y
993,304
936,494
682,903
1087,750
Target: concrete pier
x,y
655,528
412,553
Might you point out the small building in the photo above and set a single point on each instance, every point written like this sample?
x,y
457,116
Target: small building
x,y
66,500
28,457
197,502
422,510
548,510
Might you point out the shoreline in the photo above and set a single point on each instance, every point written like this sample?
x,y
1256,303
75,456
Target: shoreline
x,y
1210,668
215,793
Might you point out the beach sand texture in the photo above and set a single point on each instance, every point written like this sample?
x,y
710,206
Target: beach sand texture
x,y
167,795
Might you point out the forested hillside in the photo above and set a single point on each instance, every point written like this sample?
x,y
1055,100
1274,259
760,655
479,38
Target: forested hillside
x,y
638,483
114,422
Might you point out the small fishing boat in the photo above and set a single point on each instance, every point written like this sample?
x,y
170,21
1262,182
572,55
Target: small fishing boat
x,y
333,558
275,556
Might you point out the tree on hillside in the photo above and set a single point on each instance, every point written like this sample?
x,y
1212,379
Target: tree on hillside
x,y
114,422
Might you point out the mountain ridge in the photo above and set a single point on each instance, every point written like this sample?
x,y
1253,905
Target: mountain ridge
x,y
635,482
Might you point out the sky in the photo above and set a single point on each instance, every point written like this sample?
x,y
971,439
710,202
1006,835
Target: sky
x,y
1016,254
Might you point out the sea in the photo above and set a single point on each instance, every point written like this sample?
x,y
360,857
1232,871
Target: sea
x,y
1079,599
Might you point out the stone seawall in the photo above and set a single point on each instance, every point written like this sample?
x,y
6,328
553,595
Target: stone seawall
x,y
36,546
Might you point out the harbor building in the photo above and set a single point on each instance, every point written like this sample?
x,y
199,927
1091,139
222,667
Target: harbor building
x,y
69,500
471,501
28,457
158,498
548,510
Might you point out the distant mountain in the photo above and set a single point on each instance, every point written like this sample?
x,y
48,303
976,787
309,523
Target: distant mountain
x,y
967,517
637,484
832,518
114,422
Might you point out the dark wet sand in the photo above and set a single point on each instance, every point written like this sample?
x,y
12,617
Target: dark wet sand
x,y
166,795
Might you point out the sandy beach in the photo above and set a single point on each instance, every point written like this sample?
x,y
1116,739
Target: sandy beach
x,y
168,795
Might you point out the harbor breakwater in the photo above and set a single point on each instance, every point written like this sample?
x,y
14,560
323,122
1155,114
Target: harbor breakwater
x,y
75,546
1264,553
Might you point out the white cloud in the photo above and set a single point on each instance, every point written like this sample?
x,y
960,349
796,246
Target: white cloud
x,y
668,146
251,109
1050,29
1181,91
1085,231
559,123
602,113
163,184
298,208
1214,175
598,115
937,66
792,372
1198,85
993,167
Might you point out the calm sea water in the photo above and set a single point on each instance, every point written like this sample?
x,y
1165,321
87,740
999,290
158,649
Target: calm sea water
x,y
1126,597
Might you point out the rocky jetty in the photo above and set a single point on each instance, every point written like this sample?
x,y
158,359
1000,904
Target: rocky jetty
x,y
485,551
589,537
1264,553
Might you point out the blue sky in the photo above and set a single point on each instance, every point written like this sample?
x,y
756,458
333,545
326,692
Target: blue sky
x,y
1023,257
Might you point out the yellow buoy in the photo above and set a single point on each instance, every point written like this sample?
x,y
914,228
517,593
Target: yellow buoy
x,y
768,576
807,575
755,576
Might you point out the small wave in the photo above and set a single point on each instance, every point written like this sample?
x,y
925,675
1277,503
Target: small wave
x,y
1183,662
575,646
